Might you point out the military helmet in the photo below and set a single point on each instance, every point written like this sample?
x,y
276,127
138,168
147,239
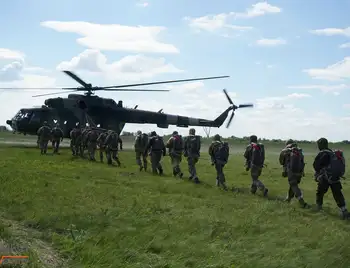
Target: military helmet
x,y
153,133
139,132
322,143
253,138
216,137
290,141
175,133
192,131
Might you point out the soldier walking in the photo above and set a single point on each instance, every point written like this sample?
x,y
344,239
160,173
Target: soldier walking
x,y
175,146
157,148
192,152
141,142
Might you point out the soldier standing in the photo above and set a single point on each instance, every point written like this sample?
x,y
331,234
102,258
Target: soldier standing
x,y
101,144
192,152
57,138
219,153
141,142
111,144
175,145
44,136
292,160
329,167
157,148
91,138
255,157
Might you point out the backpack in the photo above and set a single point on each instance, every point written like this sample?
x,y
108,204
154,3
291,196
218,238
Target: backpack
x,y
296,160
158,143
193,144
142,141
222,151
258,154
177,143
336,167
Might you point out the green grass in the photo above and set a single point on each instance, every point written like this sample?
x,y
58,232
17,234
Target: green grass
x,y
67,212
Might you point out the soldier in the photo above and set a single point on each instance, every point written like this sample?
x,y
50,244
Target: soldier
x,y
156,147
329,167
141,142
84,139
44,135
255,157
175,146
57,138
292,160
219,152
75,136
192,152
91,138
101,144
111,144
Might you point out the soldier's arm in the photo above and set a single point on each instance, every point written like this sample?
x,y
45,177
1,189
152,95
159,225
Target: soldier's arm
x,y
39,131
120,143
316,163
185,144
263,153
282,158
247,153
199,143
321,161
169,143
149,145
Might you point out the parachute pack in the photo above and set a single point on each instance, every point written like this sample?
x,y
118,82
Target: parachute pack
x,y
158,143
193,144
142,140
222,151
296,160
178,143
258,154
336,167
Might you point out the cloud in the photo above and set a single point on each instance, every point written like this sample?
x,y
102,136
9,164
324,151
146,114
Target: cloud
x,y
142,4
346,45
271,42
115,37
219,22
8,54
133,67
11,72
324,88
332,31
334,72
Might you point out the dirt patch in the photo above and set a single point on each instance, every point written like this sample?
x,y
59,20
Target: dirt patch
x,y
17,239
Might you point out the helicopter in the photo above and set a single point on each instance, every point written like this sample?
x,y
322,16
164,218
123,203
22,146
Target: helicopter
x,y
95,111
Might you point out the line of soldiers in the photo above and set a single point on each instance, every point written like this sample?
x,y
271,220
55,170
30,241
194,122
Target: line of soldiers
x,y
329,165
91,139
46,134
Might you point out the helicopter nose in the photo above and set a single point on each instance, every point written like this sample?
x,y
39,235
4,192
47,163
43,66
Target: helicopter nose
x,y
9,122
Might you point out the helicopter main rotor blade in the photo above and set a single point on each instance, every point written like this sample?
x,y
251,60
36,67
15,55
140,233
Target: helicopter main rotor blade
x,y
76,78
55,93
165,82
245,105
131,89
30,88
228,97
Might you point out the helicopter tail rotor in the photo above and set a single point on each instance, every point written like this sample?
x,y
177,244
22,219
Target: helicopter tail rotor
x,y
233,107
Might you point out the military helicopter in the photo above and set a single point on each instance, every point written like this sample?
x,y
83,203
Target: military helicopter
x,y
89,109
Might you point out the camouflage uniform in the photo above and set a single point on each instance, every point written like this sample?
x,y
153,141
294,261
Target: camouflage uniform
x,y
101,144
140,149
75,137
192,155
157,147
218,163
294,179
57,138
321,162
111,144
91,138
44,136
175,153
255,171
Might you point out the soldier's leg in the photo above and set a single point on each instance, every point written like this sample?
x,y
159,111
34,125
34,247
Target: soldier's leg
x,y
109,156
339,198
45,146
57,145
116,158
138,160
159,164
93,152
41,146
294,185
220,177
144,160
174,165
256,183
322,188
72,147
179,159
154,163
101,154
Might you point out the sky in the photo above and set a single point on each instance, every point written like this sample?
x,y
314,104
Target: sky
x,y
290,58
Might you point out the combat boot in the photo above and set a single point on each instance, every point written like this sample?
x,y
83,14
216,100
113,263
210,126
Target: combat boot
x,y
196,180
181,175
345,214
141,168
303,204
266,191
160,171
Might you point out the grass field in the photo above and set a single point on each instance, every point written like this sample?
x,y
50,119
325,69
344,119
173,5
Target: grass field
x,y
67,212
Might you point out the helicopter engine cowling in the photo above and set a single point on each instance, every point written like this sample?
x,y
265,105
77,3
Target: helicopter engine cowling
x,y
54,103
